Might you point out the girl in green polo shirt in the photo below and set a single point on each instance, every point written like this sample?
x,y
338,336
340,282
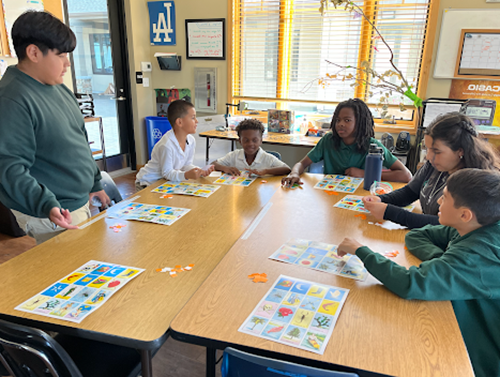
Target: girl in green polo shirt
x,y
345,147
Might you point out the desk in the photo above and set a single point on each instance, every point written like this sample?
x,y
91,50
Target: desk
x,y
268,138
139,315
376,333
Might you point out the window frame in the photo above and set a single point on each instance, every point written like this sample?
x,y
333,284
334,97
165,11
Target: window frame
x,y
364,54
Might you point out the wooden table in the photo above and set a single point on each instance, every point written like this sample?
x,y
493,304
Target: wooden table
x,y
268,138
139,315
376,333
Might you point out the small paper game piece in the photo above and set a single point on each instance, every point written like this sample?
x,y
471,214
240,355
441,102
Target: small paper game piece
x,y
391,254
117,228
263,181
361,215
173,271
331,192
258,278
168,196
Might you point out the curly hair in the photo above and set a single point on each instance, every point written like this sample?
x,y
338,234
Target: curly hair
x,y
364,125
250,124
457,131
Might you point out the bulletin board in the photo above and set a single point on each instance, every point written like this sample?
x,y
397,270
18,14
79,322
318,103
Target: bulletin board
x,y
452,23
205,39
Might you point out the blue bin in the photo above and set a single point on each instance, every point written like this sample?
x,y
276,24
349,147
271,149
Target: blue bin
x,y
156,127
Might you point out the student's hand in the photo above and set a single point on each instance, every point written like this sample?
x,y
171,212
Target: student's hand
x,y
207,170
61,217
348,246
194,173
232,170
375,206
258,173
290,180
355,172
103,197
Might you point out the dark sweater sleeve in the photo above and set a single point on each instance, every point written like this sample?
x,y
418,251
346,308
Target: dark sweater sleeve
x,y
401,197
409,219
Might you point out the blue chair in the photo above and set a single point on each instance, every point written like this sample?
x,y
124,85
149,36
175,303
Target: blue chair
x,y
317,167
237,363
275,154
156,127
29,352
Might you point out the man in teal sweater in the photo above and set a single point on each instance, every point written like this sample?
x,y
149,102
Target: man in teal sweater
x,y
47,172
461,263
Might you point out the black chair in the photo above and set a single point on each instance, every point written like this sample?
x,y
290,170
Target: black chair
x,y
110,188
29,352
237,363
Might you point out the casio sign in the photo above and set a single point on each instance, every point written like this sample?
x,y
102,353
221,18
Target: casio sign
x,y
484,88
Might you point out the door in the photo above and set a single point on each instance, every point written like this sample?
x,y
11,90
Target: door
x,y
100,68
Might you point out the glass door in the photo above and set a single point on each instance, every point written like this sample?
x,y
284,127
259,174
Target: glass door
x,y
100,70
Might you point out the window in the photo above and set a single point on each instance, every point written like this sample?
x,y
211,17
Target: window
x,y
281,47
100,48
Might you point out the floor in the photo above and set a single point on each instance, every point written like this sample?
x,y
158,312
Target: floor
x,y
174,359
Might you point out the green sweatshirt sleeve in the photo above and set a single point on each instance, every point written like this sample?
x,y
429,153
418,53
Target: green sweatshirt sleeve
x,y
430,241
18,189
450,277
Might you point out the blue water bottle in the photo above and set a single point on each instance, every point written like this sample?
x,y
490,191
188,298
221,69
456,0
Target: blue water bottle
x,y
373,166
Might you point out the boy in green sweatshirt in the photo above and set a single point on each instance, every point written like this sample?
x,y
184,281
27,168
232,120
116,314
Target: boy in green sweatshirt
x,y
47,172
461,263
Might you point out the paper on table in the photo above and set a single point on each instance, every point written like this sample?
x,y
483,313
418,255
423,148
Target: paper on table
x,y
389,225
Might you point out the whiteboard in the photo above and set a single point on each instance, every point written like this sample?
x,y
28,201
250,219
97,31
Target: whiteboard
x,y
452,23
205,39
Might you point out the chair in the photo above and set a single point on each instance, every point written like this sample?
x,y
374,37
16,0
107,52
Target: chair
x,y
316,167
237,363
275,154
29,352
110,188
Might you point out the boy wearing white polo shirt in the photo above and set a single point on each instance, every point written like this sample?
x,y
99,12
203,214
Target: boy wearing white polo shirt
x,y
252,157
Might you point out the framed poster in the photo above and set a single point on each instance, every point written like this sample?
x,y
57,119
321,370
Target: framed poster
x,y
479,54
162,23
205,39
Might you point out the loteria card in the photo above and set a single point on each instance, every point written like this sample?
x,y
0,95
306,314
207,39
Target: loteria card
x,y
320,256
340,183
245,179
148,213
81,292
355,203
297,313
187,188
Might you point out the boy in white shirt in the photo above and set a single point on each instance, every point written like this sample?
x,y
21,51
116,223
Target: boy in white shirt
x,y
252,157
172,157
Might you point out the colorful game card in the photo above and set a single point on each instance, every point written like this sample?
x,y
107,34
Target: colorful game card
x,y
147,212
355,203
187,188
297,313
320,256
340,183
81,292
245,179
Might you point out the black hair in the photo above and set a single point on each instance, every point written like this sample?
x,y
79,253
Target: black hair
x,y
178,109
250,124
43,30
457,131
364,125
477,190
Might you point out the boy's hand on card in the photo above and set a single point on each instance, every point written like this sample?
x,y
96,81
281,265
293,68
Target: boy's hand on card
x,y
207,170
194,173
290,180
355,172
375,206
348,246
256,172
232,170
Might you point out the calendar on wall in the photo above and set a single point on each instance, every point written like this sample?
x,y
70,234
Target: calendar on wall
x,y
479,54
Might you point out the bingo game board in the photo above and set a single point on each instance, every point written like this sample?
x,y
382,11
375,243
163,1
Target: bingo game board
x,y
81,292
243,180
320,256
147,212
187,188
355,203
297,313
339,183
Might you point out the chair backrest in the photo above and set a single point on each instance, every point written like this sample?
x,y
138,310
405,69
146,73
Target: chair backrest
x,y
28,352
110,188
242,364
275,154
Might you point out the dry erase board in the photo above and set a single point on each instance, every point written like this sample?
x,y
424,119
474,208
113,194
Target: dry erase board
x,y
452,23
205,39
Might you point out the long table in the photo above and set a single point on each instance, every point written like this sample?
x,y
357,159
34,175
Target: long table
x,y
293,140
139,315
377,332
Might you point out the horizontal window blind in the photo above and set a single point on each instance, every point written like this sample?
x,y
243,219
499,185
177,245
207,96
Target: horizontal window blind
x,y
281,48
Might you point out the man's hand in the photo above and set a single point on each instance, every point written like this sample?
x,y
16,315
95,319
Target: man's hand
x,y
348,246
232,170
194,173
61,217
355,172
290,180
375,206
102,196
